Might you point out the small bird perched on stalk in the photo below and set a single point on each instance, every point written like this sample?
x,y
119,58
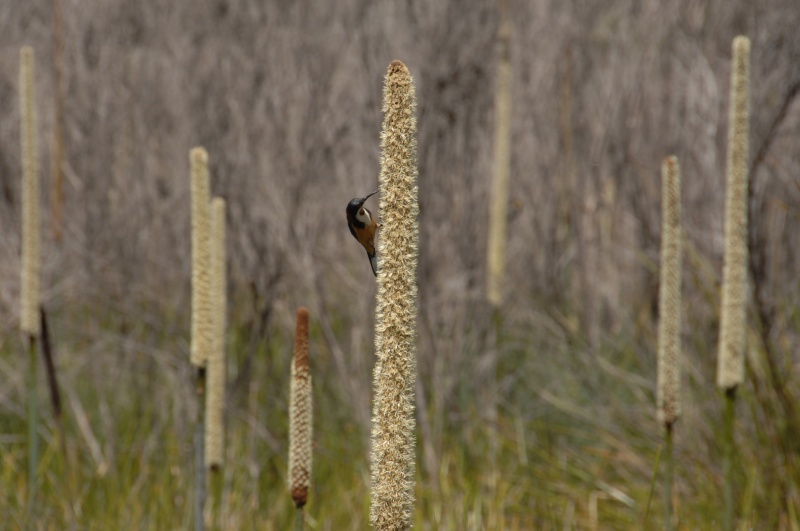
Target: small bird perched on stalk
x,y
363,227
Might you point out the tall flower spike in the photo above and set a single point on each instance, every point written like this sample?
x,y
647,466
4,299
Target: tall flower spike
x,y
669,304
498,224
201,333
215,397
392,456
301,414
730,358
29,318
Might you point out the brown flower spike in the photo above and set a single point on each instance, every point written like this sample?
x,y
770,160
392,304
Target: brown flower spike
x,y
301,414
393,424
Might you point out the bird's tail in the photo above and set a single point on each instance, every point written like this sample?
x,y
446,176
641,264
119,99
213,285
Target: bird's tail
x,y
373,261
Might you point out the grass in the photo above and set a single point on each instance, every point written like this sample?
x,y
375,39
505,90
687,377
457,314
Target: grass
x,y
576,437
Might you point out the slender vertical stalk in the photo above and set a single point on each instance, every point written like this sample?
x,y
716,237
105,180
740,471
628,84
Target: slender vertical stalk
x,y
199,454
727,459
733,322
33,426
669,465
652,489
50,367
393,422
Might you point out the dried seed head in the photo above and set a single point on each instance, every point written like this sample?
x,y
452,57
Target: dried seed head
x,y
498,214
29,318
301,414
201,276
215,395
396,309
669,304
730,358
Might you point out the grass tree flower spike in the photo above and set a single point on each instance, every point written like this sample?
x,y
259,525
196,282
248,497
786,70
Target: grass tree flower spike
x,y
730,359
215,395
393,424
29,318
301,415
201,334
501,171
669,329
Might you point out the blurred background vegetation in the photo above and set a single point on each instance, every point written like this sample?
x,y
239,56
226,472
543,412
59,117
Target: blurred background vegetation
x,y
547,421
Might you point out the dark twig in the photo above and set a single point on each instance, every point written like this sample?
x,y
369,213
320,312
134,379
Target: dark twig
x,y
47,352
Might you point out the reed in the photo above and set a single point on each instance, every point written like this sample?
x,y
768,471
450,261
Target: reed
x,y
732,344
215,372
201,322
393,424
669,311
30,263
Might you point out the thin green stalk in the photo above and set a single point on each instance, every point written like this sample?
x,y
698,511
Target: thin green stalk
x,y
199,453
652,488
497,325
669,465
298,519
216,480
727,459
33,428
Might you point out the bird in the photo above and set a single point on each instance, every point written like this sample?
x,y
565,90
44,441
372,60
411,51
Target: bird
x,y
363,227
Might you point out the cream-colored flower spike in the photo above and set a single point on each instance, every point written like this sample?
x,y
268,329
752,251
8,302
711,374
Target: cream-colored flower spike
x,y
201,275
215,395
730,358
393,443
301,415
29,318
669,304
498,223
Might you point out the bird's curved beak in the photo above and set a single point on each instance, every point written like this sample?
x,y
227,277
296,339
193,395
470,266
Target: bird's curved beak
x,y
363,200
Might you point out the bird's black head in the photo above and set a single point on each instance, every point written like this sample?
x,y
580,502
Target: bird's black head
x,y
355,204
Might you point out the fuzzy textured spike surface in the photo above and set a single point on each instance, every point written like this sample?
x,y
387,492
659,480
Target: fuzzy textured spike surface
x,y
201,275
301,415
29,311
501,173
669,303
393,424
730,358
215,395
